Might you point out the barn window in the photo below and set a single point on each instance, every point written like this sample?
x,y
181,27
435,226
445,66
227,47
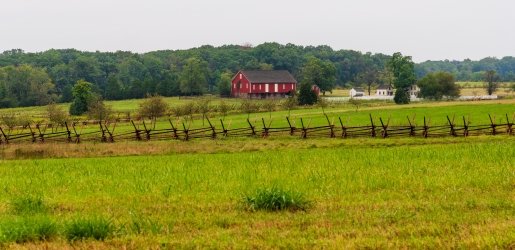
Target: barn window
x,y
241,76
253,87
284,86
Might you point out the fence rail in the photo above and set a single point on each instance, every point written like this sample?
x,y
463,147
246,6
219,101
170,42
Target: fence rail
x,y
106,131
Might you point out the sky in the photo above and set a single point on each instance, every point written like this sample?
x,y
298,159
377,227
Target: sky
x,y
423,29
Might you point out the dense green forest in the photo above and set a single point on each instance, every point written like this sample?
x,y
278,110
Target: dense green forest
x,y
39,78
468,70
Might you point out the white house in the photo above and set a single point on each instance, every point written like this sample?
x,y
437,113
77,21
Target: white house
x,y
414,90
356,92
384,90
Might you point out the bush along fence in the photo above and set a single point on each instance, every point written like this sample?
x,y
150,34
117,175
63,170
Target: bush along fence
x,y
103,131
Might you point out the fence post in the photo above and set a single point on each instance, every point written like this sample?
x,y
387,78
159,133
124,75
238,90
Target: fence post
x,y
426,129
251,127
103,138
451,124
68,132
147,132
213,134
373,132
292,129
5,136
41,136
223,128
304,130
175,136
465,127
111,137
509,125
385,128
32,134
331,126
264,134
186,132
492,125
344,129
136,131
411,127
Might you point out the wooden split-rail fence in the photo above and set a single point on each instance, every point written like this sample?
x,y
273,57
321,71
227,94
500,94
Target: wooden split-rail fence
x,y
104,131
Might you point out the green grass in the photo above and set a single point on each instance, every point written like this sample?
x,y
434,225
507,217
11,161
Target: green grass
x,y
366,193
97,228
28,205
275,199
27,229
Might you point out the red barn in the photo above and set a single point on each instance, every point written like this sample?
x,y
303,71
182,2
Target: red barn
x,y
263,84
316,89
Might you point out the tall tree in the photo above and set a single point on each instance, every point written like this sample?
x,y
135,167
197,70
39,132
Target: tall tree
x,y
25,86
82,96
306,95
491,80
437,85
321,73
403,72
113,90
369,77
224,84
193,78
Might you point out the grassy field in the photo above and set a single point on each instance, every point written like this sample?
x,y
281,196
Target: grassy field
x,y
367,193
362,193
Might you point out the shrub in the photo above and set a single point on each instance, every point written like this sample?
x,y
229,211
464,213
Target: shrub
x,y
29,205
27,229
95,228
97,109
56,114
276,199
152,107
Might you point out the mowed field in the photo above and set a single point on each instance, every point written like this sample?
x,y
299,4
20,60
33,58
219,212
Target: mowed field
x,y
363,193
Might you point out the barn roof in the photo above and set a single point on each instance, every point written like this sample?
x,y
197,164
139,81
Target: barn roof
x,y
359,89
269,76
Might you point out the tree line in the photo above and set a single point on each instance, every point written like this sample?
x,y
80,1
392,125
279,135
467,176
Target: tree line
x,y
207,69
468,70
28,79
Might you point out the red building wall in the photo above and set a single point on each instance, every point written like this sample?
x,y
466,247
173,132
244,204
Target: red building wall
x,y
241,86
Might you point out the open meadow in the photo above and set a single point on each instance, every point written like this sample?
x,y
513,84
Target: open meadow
x,y
278,192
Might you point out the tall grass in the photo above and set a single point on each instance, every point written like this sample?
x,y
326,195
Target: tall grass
x,y
97,228
276,199
30,229
29,205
